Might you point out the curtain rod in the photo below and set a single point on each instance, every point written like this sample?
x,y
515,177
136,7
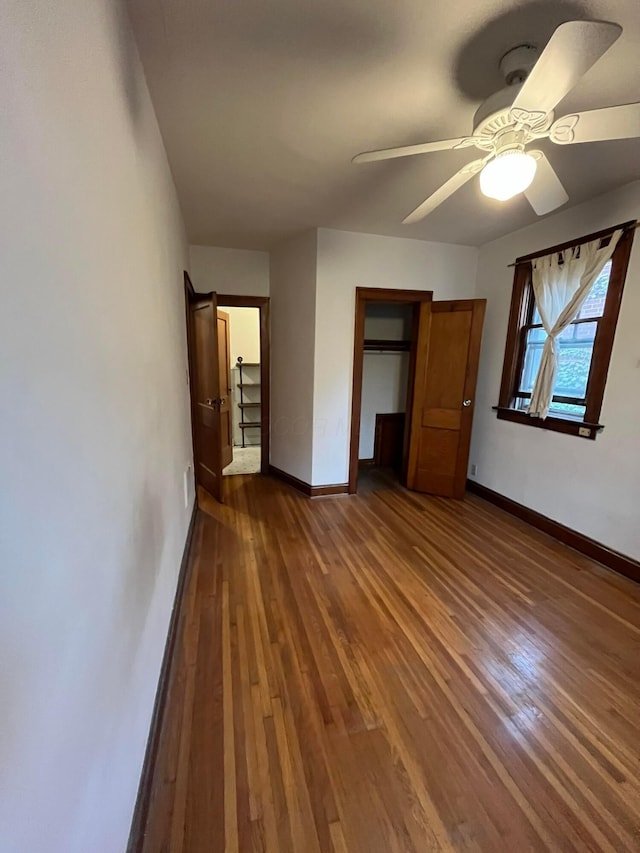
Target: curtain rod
x,y
626,227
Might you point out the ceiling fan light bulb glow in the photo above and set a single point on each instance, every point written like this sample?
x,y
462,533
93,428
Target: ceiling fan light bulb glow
x,y
509,174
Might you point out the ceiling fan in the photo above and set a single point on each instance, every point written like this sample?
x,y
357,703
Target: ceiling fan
x,y
521,113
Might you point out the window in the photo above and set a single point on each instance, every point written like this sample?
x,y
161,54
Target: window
x,y
584,347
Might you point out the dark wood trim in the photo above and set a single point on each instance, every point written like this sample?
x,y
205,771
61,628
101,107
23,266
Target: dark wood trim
x,y
356,391
304,488
188,284
242,301
578,541
385,420
563,425
377,294
141,810
411,392
606,330
327,491
290,480
389,294
569,244
517,317
520,318
263,303
364,462
189,297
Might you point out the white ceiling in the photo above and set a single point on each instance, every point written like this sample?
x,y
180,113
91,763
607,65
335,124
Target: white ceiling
x,y
262,104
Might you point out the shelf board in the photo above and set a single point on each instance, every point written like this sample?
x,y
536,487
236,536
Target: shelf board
x,y
378,344
249,405
249,424
248,384
248,364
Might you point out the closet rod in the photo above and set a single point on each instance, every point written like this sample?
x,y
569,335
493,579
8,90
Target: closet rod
x,y
386,351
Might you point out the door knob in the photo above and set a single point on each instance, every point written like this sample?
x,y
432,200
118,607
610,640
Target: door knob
x,y
466,403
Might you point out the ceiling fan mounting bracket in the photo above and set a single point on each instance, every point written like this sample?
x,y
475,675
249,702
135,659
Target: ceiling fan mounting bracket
x,y
515,66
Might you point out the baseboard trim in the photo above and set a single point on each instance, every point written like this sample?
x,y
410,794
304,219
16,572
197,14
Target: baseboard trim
x,y
141,810
306,489
326,491
578,541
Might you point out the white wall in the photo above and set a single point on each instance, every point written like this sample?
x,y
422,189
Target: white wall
x,y
293,324
348,260
591,486
240,272
388,321
384,390
244,333
95,424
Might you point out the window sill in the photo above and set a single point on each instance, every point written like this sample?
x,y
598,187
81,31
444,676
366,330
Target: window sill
x,y
556,424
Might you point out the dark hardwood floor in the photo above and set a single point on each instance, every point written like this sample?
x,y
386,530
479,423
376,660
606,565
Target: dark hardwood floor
x,y
393,672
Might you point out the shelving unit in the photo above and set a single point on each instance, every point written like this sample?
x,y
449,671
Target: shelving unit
x,y
243,405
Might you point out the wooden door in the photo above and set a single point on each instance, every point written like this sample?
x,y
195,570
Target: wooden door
x,y
224,366
202,338
447,355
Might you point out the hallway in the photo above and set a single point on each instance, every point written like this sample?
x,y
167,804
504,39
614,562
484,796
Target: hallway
x,y
392,672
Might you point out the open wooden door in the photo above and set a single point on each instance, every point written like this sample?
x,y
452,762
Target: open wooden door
x,y
224,366
447,355
204,370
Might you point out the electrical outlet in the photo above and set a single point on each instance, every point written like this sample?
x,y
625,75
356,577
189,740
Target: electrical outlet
x,y
474,469
187,485
585,432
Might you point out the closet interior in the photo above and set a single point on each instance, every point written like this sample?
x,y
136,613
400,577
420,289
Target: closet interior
x,y
388,331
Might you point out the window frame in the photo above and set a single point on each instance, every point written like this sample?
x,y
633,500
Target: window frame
x,y
520,316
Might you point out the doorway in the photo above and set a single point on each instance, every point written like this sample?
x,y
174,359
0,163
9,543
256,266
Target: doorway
x,y
426,384
388,336
240,362
218,405
386,322
249,315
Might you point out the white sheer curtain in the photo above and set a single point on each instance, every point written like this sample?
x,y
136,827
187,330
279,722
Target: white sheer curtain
x,y
561,283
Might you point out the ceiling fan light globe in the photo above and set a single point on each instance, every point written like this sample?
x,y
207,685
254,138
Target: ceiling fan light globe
x,y
507,175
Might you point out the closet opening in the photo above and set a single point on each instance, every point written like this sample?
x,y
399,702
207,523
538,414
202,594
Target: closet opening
x,y
414,378
383,381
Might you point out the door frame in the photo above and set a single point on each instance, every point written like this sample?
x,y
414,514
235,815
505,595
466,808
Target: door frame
x,y
365,295
262,303
226,390
192,297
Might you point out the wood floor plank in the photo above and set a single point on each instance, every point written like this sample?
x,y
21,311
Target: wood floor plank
x,y
395,672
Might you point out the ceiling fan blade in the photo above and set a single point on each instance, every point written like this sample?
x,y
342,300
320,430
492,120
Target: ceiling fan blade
x,y
621,122
408,150
546,192
573,48
442,194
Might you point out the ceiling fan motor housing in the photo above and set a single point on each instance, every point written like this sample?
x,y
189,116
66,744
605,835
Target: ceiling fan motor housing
x,y
509,141
494,123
